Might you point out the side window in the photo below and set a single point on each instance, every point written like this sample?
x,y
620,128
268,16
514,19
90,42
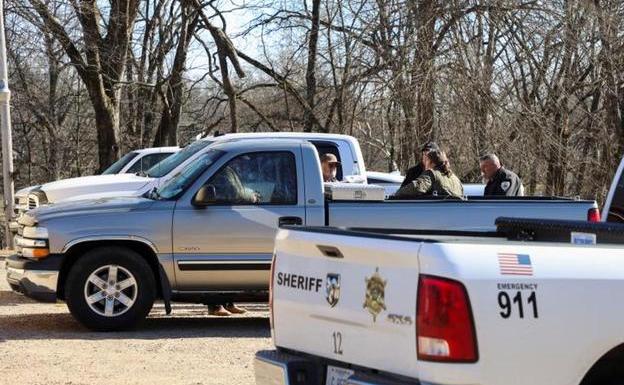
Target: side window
x,y
257,178
147,162
330,148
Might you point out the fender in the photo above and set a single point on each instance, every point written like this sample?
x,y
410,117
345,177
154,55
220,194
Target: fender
x,y
162,275
134,238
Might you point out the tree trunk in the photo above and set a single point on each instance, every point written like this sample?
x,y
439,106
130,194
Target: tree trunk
x,y
103,65
167,133
425,77
308,123
558,159
106,119
228,88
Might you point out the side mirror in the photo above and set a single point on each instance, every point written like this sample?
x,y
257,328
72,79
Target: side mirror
x,y
206,196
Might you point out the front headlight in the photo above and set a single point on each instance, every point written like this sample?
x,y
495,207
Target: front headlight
x,y
33,242
35,232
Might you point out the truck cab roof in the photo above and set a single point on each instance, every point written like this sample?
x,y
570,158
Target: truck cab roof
x,y
153,150
242,144
284,135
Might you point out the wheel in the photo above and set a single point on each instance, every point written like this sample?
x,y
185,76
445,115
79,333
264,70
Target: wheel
x,y
606,373
110,288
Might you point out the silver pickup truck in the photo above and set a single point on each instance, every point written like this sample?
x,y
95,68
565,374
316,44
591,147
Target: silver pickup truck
x,y
207,235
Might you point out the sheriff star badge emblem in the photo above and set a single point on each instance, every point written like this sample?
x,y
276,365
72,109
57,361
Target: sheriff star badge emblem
x,y
375,294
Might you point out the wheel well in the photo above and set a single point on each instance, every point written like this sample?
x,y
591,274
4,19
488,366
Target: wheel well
x,y
72,255
608,368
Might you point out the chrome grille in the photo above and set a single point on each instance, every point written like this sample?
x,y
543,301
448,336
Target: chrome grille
x,y
33,202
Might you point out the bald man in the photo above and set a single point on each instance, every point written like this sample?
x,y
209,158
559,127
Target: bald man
x,y
499,180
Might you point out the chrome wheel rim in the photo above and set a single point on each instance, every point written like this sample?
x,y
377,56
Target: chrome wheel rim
x,y
110,290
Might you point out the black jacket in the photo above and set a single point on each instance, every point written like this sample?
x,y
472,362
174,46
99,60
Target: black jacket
x,y
505,183
412,174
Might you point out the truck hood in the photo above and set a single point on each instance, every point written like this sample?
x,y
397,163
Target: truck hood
x,y
101,195
67,188
86,207
23,193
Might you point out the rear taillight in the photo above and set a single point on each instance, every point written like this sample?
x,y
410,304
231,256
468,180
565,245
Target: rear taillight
x,y
272,279
593,215
444,327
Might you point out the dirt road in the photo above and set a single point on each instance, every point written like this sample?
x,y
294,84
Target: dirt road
x,y
42,344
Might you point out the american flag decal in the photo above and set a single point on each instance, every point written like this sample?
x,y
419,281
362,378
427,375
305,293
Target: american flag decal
x,y
515,264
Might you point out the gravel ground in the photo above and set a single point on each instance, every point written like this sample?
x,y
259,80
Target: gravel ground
x,y
42,344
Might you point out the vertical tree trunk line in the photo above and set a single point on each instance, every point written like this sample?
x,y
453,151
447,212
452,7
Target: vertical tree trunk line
x,y
308,124
167,132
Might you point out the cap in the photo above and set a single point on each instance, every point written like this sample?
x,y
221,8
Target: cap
x,y
430,146
329,158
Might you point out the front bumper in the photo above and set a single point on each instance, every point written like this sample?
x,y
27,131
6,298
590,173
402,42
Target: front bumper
x,y
272,367
37,280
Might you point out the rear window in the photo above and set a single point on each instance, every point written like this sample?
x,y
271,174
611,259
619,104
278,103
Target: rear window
x,y
329,148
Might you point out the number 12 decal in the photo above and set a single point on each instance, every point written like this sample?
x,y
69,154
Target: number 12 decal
x,y
508,304
337,336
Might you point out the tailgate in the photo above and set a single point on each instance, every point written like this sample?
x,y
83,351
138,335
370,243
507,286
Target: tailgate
x,y
347,298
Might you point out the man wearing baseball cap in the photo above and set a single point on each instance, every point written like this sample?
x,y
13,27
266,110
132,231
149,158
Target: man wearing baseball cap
x,y
329,165
415,171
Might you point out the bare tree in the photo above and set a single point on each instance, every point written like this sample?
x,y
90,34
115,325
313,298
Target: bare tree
x,y
99,59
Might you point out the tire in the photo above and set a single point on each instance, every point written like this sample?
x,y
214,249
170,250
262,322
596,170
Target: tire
x,y
100,306
607,373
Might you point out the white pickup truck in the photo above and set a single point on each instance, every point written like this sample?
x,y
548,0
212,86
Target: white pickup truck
x,y
345,147
122,173
533,303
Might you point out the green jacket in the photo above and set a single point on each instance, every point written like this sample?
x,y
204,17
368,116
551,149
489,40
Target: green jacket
x,y
432,182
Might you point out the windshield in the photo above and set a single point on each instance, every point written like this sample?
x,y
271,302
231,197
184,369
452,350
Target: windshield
x,y
183,179
168,164
121,163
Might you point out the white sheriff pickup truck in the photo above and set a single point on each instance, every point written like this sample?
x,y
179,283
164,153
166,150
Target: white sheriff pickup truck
x,y
533,303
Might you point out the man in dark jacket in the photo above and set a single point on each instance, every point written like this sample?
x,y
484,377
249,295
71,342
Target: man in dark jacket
x,y
500,181
414,172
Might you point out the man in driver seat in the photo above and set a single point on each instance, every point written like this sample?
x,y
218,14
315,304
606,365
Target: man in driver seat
x,y
229,188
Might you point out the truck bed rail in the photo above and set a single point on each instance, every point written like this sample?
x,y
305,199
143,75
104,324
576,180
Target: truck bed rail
x,y
543,230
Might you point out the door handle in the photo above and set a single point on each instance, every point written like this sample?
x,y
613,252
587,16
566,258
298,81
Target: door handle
x,y
290,221
330,251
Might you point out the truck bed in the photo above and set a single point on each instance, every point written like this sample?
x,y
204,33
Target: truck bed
x,y
473,214
328,282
